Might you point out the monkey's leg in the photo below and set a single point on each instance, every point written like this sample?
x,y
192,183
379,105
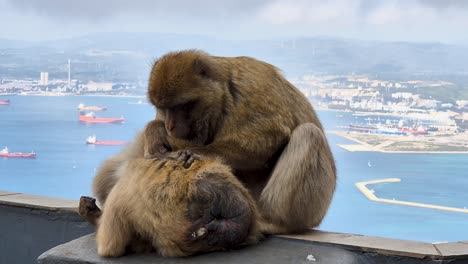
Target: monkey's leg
x,y
89,210
108,174
114,231
301,186
106,178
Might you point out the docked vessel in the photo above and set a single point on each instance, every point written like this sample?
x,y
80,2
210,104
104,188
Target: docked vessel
x,y
415,131
4,153
4,102
388,130
91,140
139,102
82,107
91,118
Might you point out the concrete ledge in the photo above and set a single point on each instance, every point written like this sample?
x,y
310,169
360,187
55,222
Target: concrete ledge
x,y
37,202
272,250
457,250
83,250
31,224
386,246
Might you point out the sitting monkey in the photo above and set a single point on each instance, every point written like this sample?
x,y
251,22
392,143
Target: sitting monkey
x,y
246,113
178,211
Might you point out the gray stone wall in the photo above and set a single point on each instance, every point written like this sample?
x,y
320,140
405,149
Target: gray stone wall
x,y
27,230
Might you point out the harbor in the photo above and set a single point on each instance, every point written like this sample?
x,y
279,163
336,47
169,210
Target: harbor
x,y
446,144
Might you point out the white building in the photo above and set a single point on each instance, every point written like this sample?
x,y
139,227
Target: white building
x,y
98,86
44,78
462,103
404,95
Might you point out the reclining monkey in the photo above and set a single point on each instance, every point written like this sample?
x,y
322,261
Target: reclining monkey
x,y
178,211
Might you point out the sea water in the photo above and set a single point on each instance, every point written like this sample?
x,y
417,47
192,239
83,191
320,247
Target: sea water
x,y
65,166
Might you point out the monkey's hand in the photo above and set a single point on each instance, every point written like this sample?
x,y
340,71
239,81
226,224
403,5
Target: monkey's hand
x,y
187,157
155,136
89,210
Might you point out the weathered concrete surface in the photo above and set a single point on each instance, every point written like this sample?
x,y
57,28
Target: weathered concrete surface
x,y
27,232
379,245
272,250
38,202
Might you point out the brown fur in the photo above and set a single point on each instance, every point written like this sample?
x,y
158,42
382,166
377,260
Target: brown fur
x,y
107,177
160,202
245,112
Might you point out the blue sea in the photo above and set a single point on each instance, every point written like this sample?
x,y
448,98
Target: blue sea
x,y
65,166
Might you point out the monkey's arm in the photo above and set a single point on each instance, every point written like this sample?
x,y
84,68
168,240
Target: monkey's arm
x,y
155,136
301,186
244,153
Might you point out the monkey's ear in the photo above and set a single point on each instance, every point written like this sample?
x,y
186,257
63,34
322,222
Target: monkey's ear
x,y
204,67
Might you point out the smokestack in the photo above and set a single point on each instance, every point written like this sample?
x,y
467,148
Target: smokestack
x,y
69,73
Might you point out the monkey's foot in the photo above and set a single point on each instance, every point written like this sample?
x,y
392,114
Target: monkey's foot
x,y
89,210
187,157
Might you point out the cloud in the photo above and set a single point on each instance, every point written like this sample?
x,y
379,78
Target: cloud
x,y
307,11
358,11
389,19
103,9
445,4
368,19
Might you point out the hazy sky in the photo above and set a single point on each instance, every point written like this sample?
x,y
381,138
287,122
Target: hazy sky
x,y
409,20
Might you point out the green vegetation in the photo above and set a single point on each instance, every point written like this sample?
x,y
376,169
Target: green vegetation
x,y
445,94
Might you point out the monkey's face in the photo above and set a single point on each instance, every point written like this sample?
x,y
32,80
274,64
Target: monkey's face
x,y
188,90
203,208
178,120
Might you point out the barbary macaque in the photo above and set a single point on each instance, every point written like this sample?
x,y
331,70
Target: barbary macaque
x,y
175,208
245,112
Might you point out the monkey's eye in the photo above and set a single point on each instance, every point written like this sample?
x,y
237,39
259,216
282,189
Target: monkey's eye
x,y
187,106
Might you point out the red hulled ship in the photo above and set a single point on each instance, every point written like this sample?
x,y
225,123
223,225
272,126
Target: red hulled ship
x,y
4,102
4,153
91,118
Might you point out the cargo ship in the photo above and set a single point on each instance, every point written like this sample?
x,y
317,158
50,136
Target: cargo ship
x,y
4,102
91,140
91,118
82,107
4,153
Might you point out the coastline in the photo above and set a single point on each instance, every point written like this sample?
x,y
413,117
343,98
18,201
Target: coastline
x,y
370,194
384,142
84,95
318,108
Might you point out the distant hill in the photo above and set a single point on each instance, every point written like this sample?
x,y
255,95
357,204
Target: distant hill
x,y
9,43
128,56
